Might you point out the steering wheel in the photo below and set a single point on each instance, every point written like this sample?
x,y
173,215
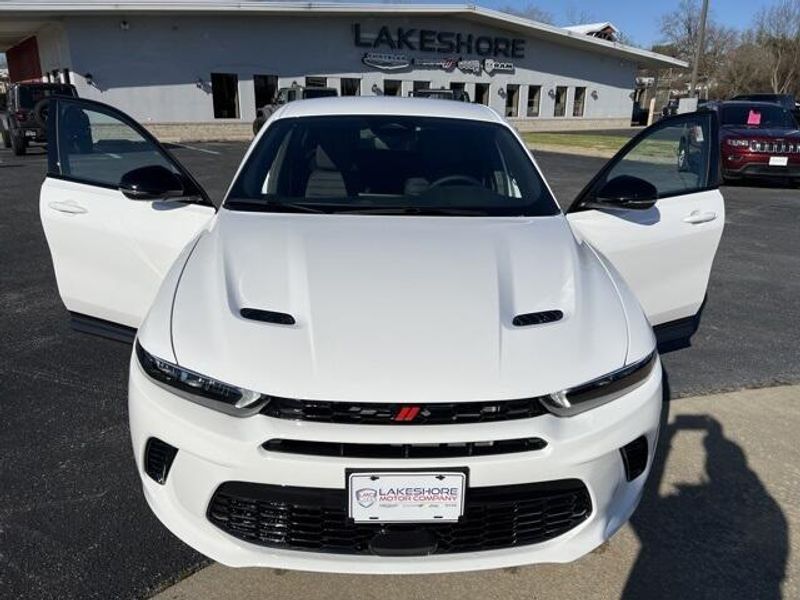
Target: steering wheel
x,y
450,179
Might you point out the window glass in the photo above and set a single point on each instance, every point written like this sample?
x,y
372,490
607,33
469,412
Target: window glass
x,y
482,93
578,101
351,87
225,95
265,87
96,147
512,100
758,116
316,81
674,158
534,99
381,164
560,108
391,87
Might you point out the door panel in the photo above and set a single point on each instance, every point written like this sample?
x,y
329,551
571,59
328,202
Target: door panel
x,y
664,252
110,253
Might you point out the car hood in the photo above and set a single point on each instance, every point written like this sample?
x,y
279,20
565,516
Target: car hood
x,y
396,309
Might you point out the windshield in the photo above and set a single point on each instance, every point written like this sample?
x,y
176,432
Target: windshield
x,y
30,95
381,164
758,117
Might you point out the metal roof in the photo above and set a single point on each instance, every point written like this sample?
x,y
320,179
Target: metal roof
x,y
19,19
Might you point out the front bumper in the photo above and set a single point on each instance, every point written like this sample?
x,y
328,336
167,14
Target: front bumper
x,y
746,164
214,448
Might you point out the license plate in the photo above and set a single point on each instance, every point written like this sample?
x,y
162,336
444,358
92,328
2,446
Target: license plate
x,y
778,161
406,496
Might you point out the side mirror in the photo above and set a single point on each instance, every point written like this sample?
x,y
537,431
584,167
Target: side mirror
x,y
626,191
151,183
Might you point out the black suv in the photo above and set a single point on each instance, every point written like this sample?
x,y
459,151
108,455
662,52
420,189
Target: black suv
x,y
19,123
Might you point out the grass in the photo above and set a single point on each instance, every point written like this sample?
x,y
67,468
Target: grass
x,y
606,143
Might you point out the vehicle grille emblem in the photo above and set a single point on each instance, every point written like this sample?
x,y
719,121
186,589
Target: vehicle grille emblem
x,y
406,414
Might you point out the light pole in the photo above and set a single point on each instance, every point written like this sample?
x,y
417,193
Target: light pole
x,y
701,42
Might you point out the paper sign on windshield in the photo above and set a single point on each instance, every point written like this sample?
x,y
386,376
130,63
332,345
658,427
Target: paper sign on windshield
x,y
754,118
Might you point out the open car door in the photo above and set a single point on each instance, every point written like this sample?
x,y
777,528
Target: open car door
x,y
656,214
117,208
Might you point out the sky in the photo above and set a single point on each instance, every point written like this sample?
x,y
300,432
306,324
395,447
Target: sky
x,y
638,19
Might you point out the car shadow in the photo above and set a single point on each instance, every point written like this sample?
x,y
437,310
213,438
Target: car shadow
x,y
724,537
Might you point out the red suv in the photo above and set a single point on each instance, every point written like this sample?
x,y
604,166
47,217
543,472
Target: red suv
x,y
758,139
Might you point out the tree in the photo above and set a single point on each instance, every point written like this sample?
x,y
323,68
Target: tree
x,y
529,11
680,31
777,30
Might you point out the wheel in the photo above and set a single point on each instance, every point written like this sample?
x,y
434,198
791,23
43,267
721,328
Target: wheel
x,y
19,145
6,140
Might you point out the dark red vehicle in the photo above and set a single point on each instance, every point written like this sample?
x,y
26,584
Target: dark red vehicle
x,y
759,140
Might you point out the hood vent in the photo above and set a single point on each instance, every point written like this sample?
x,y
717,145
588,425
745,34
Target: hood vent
x,y
537,318
267,316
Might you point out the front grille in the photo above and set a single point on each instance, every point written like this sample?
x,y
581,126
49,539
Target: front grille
x,y
781,147
443,450
370,413
316,519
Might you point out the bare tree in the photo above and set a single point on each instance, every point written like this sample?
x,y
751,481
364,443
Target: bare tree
x,y
680,30
777,30
529,11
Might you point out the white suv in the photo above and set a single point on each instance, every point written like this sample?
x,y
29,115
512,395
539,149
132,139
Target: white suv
x,y
387,350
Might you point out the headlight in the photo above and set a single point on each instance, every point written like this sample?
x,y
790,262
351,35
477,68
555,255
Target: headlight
x,y
738,143
200,388
602,390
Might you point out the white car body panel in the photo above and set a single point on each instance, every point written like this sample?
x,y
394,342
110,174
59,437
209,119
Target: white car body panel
x,y
664,257
219,448
376,298
110,254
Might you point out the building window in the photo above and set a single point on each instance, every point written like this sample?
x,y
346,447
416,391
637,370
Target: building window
x,y
578,101
266,86
316,82
351,87
457,86
225,92
560,108
391,87
534,99
482,93
421,85
512,100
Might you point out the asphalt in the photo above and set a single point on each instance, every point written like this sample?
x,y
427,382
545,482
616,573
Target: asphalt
x,y
73,523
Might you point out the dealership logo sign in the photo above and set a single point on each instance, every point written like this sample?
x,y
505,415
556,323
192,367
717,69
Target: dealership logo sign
x,y
472,65
491,65
386,62
366,497
447,64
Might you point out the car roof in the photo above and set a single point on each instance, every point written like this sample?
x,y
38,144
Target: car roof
x,y
388,105
755,103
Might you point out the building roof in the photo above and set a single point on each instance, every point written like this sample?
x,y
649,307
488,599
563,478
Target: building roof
x,y
591,28
22,18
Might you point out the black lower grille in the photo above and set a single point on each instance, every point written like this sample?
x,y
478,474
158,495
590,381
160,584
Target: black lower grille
x,y
316,519
443,450
378,413
634,458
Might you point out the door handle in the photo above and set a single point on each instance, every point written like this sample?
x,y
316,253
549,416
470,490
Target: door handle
x,y
69,206
696,217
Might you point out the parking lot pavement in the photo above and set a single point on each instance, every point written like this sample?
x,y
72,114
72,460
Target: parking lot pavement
x,y
73,522
720,520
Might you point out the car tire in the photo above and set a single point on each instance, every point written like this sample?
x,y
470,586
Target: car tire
x,y
19,145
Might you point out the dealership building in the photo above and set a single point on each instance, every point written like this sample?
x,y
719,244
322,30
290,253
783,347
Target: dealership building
x,y
205,66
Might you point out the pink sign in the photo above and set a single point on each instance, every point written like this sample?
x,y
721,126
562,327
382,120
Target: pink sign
x,y
754,118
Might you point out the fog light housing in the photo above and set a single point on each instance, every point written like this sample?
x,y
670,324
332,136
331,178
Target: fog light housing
x,y
634,458
158,457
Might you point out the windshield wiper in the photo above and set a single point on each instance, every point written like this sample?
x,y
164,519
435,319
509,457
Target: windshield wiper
x,y
417,211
